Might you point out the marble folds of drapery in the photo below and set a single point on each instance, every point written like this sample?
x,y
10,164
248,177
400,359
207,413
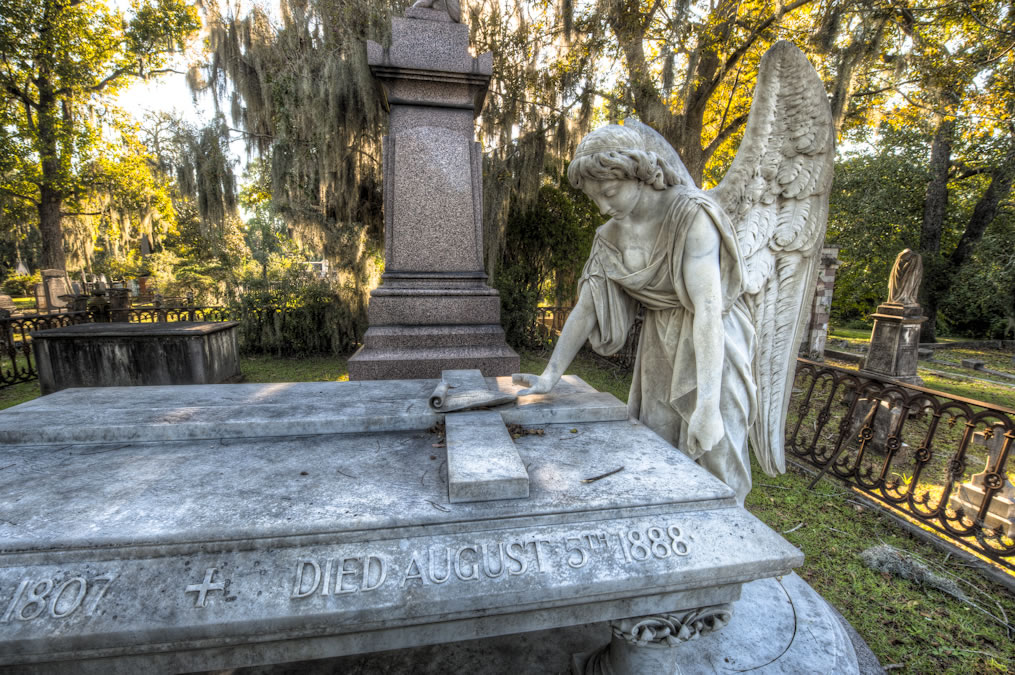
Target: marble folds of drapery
x,y
664,387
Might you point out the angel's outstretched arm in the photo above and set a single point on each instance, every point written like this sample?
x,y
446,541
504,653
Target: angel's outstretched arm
x,y
576,331
702,280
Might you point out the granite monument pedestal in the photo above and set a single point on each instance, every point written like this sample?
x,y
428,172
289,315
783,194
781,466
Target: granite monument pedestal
x,y
231,525
434,310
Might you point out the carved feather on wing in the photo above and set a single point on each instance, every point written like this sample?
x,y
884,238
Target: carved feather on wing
x,y
776,194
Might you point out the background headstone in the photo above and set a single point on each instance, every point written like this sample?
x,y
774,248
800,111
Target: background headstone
x,y
54,285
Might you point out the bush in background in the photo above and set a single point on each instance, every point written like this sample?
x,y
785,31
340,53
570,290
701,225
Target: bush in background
x,y
301,316
20,285
545,248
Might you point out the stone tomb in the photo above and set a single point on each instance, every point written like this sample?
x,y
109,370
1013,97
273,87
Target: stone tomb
x,y
124,354
230,525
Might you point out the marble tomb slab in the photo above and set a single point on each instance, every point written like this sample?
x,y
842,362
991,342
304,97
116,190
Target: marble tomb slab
x,y
281,409
194,554
121,354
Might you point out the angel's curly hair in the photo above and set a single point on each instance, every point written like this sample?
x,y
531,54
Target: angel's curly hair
x,y
612,152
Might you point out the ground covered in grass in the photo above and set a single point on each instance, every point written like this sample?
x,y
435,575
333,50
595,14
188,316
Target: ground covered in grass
x,y
18,393
912,626
905,623
944,371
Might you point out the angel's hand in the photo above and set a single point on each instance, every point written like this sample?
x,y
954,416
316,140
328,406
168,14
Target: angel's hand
x,y
705,430
537,384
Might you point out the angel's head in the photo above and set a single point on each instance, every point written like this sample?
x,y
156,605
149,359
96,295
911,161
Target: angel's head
x,y
616,153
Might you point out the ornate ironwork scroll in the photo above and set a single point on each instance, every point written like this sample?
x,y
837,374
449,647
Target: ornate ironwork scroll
x,y
940,459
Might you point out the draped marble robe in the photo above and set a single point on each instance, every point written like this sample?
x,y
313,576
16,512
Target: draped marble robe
x,y
664,388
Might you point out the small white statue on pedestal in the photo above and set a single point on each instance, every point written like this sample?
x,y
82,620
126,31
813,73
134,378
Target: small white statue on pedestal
x,y
725,276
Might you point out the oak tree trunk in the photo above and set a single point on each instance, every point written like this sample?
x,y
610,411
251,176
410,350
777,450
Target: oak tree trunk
x,y
50,226
935,206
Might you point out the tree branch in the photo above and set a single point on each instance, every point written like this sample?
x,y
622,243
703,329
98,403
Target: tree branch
x,y
649,14
19,195
81,213
731,129
986,210
968,173
119,72
749,41
890,87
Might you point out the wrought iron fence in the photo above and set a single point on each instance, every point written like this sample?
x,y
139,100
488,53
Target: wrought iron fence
x,y
550,321
942,460
157,314
17,362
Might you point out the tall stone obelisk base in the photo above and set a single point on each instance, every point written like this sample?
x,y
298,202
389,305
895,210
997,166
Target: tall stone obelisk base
x,y
895,342
434,310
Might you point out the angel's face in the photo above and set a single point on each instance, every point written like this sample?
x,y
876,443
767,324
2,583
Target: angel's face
x,y
615,198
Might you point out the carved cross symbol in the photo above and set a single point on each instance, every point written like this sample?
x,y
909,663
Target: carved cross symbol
x,y
202,589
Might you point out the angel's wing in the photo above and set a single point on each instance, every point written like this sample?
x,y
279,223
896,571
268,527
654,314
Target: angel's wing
x,y
776,193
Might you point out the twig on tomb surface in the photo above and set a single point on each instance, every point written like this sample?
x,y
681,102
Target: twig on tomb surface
x,y
438,506
602,476
347,475
793,529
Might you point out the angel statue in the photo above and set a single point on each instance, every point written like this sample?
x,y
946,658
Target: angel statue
x,y
452,7
725,276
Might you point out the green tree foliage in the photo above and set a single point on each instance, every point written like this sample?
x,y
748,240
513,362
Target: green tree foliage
x,y
877,209
981,299
957,73
266,234
205,253
544,250
62,61
301,315
301,94
688,68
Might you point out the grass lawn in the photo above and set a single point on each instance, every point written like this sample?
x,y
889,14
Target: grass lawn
x,y
948,361
995,359
850,334
309,369
863,335
917,628
19,393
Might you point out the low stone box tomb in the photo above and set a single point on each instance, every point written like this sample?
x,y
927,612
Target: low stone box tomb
x,y
136,354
